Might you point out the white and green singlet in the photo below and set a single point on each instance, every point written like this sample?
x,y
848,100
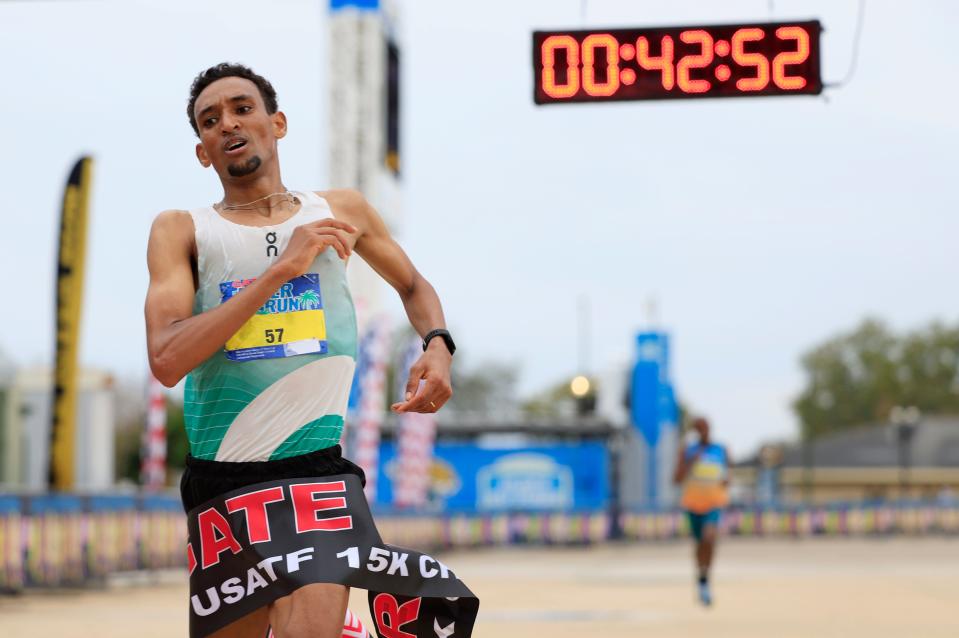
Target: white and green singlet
x,y
280,385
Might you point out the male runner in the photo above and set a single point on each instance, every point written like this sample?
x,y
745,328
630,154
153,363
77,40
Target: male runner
x,y
703,469
248,299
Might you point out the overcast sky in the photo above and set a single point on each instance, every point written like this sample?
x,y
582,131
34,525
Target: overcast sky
x,y
761,226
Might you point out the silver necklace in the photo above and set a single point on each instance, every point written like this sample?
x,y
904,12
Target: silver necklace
x,y
247,205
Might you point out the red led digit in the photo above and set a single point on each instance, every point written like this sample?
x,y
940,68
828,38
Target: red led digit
x,y
550,45
590,44
663,63
758,60
801,36
688,62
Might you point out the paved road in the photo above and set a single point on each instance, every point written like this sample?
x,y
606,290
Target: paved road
x,y
821,588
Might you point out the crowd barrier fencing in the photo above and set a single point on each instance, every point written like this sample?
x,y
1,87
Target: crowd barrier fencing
x,y
63,540
475,530
799,522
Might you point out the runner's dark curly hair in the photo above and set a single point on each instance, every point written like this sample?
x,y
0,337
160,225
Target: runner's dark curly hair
x,y
229,70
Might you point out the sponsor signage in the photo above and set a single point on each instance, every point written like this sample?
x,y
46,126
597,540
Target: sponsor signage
x,y
470,478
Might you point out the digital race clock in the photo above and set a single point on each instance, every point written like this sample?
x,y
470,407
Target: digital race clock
x,y
677,62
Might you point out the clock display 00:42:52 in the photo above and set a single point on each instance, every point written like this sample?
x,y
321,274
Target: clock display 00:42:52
x,y
677,62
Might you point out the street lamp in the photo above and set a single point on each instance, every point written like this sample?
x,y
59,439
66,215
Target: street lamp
x,y
579,386
583,395
904,421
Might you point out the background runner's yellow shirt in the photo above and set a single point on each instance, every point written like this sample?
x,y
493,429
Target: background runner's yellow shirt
x,y
280,385
704,489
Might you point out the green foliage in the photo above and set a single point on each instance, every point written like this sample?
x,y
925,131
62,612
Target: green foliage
x,y
128,442
177,444
858,377
558,401
126,453
482,389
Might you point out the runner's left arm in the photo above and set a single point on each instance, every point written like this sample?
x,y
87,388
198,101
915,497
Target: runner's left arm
x,y
378,248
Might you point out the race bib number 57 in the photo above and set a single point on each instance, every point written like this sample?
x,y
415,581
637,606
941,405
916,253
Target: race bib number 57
x,y
291,322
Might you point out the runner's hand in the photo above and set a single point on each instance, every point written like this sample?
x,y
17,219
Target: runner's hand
x,y
429,385
309,240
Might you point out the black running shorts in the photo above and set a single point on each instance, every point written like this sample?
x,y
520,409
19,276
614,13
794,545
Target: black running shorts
x,y
204,480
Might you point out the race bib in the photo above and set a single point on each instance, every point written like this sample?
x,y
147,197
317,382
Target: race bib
x,y
291,322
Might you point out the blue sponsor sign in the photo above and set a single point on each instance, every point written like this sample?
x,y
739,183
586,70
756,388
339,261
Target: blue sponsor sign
x,y
469,478
651,396
652,400
363,5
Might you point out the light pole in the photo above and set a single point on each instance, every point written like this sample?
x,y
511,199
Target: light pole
x,y
583,394
904,421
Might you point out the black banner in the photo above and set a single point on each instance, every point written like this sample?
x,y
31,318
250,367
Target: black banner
x,y
254,545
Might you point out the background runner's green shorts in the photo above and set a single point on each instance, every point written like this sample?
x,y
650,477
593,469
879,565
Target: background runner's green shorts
x,y
697,522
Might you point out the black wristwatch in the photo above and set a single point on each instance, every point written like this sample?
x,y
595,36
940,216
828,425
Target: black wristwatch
x,y
442,334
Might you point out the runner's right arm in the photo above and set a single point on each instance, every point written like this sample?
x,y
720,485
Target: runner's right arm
x,y
177,340
683,464
679,474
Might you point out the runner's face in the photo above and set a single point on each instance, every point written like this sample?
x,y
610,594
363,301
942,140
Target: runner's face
x,y
237,135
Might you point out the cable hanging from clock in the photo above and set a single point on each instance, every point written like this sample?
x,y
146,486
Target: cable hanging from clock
x,y
854,60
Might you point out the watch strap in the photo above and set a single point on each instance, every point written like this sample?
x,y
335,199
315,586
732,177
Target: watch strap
x,y
444,335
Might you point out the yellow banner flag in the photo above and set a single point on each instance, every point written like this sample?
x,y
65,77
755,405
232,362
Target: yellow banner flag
x,y
70,270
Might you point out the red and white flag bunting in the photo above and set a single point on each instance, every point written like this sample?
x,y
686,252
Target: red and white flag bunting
x,y
415,437
372,403
153,464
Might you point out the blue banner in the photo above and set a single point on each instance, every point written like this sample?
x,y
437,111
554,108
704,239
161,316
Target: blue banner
x,y
363,5
653,406
469,478
651,395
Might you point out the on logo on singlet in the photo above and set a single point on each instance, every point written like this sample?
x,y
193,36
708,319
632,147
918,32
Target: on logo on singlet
x,y
291,322
271,249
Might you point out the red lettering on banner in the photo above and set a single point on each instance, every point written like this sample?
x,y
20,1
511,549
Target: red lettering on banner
x,y
211,523
307,507
190,558
391,616
254,505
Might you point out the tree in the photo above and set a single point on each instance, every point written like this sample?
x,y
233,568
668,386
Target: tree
x,y
177,443
558,401
859,376
128,441
488,389
555,401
